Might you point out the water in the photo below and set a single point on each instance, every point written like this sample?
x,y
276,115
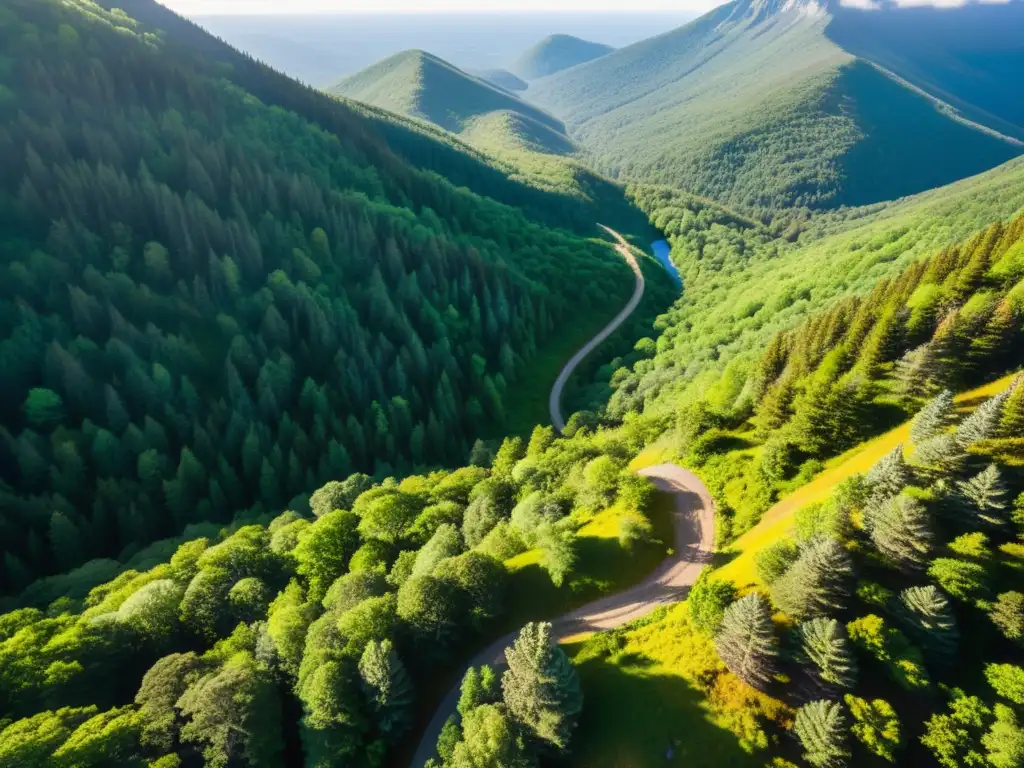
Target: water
x,y
661,250
321,49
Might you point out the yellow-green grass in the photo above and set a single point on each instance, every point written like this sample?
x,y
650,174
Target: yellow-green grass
x,y
603,565
657,452
779,520
660,688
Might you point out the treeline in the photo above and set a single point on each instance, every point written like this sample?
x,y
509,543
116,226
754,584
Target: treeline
x,y
310,640
851,371
903,605
210,305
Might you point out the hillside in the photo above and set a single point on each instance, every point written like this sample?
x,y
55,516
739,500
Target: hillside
x,y
503,79
756,105
417,84
555,53
210,303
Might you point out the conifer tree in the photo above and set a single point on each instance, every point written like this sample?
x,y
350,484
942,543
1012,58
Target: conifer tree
x,y
822,729
940,456
1011,424
934,418
983,498
479,686
817,583
388,688
920,372
928,618
1008,615
886,480
823,643
901,531
983,424
746,641
541,688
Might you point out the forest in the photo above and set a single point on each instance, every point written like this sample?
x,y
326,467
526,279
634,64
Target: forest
x,y
211,305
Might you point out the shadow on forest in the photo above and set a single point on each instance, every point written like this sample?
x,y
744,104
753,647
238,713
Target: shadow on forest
x,y
633,717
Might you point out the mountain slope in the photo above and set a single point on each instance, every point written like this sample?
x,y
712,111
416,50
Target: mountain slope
x,y
503,79
555,53
754,105
417,84
211,302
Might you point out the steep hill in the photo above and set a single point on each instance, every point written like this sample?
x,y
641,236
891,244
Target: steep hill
x,y
503,79
417,84
756,105
221,287
555,53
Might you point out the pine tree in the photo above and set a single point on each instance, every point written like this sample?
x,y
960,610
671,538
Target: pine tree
x,y
919,373
823,643
983,424
886,480
940,456
388,688
822,729
541,688
901,531
928,618
479,686
746,641
934,418
817,583
983,497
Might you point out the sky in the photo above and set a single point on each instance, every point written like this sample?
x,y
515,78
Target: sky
x,y
292,7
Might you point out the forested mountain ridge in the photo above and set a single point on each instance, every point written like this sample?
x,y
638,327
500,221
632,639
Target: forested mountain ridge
x,y
210,304
775,113
555,53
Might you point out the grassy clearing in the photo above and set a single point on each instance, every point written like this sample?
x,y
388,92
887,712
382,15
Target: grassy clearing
x,y
778,521
658,695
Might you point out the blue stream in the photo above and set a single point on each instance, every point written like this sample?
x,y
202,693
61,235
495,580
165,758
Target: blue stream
x,y
661,250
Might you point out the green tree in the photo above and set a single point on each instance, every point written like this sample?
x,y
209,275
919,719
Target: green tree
x,y
707,602
43,408
540,687
823,644
746,640
1004,741
983,424
161,687
929,620
983,498
325,549
480,686
489,741
1007,680
934,418
817,583
1007,614
962,579
955,737
773,561
822,729
446,542
901,531
388,688
876,726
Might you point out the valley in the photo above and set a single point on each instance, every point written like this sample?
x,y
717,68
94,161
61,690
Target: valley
x,y
511,390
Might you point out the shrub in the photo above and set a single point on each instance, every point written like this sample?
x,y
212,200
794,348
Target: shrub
x,y
876,726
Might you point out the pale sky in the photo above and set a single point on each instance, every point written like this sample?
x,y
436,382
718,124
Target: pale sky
x,y
216,7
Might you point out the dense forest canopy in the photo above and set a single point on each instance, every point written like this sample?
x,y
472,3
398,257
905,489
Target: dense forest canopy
x,y
212,305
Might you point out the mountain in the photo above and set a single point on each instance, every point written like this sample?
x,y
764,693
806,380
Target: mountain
x,y
221,288
759,105
418,84
555,53
503,79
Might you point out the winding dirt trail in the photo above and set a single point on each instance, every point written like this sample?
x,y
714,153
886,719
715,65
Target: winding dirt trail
x,y
693,521
555,400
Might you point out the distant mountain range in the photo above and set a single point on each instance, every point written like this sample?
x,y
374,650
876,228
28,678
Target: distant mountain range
x,y
556,53
772,103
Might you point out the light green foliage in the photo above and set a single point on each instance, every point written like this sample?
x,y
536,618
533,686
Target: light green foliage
x,y
903,662
1007,680
973,546
823,643
934,418
446,542
152,611
876,726
1007,614
372,620
962,579
984,496
288,620
480,686
162,686
541,688
353,588
234,714
954,737
983,423
43,408
489,739
746,641
480,580
774,560
822,729
1004,741
558,552
707,602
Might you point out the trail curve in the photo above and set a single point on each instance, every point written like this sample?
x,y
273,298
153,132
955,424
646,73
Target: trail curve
x,y
555,399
